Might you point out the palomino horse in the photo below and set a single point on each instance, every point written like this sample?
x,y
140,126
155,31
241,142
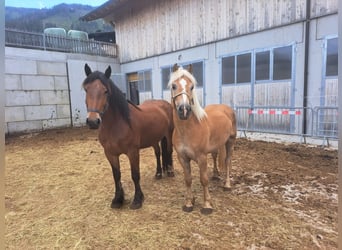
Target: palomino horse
x,y
199,132
125,128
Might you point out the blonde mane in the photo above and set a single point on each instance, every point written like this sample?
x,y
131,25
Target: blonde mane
x,y
198,111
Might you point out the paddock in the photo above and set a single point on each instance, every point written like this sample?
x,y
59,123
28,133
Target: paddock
x,y
59,186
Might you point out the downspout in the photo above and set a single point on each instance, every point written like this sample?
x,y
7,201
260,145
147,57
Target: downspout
x,y
306,65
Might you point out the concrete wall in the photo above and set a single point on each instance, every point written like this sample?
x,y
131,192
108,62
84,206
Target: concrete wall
x,y
43,89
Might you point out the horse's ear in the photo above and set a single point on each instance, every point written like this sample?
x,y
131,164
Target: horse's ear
x,y
190,68
108,72
175,67
87,69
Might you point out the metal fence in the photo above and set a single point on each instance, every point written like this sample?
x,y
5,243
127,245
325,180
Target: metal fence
x,y
23,39
326,121
308,122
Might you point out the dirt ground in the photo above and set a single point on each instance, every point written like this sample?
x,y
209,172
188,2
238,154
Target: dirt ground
x,y
59,186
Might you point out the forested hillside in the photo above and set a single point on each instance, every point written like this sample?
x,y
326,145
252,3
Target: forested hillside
x,y
63,16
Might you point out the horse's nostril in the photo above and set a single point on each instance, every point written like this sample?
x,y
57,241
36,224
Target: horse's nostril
x,y
181,109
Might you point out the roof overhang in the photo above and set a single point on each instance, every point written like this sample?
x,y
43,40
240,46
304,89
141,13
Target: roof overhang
x,y
104,10
113,10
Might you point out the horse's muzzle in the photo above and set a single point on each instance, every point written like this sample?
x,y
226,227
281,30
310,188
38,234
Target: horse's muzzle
x,y
93,123
184,111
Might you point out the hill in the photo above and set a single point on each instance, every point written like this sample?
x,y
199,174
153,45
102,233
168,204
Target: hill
x,y
63,16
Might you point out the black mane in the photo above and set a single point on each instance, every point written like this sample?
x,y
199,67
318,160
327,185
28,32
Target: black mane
x,y
117,100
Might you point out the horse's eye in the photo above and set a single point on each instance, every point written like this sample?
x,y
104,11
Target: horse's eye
x,y
106,91
174,86
192,88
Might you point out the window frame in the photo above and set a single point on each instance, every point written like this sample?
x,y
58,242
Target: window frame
x,y
142,81
325,75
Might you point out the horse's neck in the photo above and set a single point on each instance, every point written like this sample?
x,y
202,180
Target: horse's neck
x,y
186,127
111,117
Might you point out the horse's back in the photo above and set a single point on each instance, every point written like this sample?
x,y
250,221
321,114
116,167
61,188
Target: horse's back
x,y
221,117
161,107
152,104
154,121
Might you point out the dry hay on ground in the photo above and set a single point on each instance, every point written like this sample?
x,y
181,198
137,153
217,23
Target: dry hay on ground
x,y
59,186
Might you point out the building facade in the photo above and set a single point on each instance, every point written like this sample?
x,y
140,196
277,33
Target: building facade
x,y
251,55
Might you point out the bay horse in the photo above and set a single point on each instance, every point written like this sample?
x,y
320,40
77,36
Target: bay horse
x,y
125,128
198,132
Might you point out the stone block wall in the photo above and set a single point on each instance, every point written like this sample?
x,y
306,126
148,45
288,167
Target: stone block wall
x,y
37,88
37,95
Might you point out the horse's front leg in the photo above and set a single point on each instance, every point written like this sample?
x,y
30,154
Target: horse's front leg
x,y
207,206
189,198
133,157
119,192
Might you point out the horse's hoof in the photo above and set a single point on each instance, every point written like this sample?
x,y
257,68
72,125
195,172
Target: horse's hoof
x,y
158,176
137,202
136,205
170,174
116,205
227,189
206,210
187,209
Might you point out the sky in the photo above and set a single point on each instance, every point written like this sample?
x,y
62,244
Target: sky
x,y
40,4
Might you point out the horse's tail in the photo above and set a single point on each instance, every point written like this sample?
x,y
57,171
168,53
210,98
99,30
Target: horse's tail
x,y
165,154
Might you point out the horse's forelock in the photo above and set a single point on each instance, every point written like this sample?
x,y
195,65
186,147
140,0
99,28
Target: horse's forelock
x,y
97,75
180,72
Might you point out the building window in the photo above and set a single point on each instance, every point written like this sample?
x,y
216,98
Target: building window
x,y
262,65
144,81
243,69
165,77
331,68
282,63
273,64
239,65
228,70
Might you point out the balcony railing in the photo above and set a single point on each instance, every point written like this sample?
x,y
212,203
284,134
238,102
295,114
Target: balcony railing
x,y
32,40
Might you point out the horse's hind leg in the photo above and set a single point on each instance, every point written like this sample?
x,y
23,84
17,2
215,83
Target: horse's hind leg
x,y
164,154
166,144
228,162
216,175
119,192
156,149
